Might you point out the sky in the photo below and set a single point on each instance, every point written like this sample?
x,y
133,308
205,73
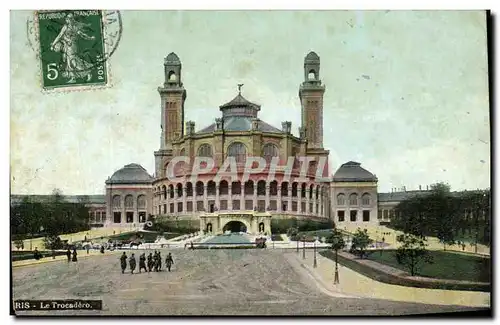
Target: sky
x,y
406,93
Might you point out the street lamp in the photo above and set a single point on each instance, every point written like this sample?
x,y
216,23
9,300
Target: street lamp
x,y
336,279
304,247
315,264
297,239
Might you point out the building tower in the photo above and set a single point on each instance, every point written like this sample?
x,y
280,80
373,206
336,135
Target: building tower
x,y
173,96
311,98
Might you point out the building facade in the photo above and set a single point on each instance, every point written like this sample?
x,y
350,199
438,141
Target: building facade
x,y
350,196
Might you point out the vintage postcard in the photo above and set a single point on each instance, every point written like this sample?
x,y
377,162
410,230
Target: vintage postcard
x,y
250,163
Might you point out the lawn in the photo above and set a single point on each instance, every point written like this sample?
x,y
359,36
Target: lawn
x,y
276,237
319,233
446,265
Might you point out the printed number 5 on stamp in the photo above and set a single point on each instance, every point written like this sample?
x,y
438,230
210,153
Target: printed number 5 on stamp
x,y
74,47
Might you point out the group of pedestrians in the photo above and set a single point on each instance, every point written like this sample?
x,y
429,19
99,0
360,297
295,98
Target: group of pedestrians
x,y
68,255
154,262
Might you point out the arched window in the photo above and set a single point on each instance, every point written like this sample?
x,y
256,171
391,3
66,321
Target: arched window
x,y
353,199
129,202
189,189
238,151
236,187
294,189
341,199
261,187
273,188
249,187
303,190
179,190
284,189
223,188
117,202
164,191
199,188
269,151
182,152
205,150
172,76
317,192
141,202
311,189
311,75
211,189
171,191
365,199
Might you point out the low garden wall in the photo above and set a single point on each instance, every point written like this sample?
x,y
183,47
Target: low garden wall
x,y
402,278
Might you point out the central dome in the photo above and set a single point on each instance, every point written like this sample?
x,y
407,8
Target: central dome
x,y
239,106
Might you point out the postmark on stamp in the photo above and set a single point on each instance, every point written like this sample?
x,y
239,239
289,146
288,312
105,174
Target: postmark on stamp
x,y
73,46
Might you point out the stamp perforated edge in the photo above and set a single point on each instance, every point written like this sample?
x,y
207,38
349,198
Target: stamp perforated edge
x,y
75,88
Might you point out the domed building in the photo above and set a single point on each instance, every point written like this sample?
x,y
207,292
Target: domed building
x,y
128,196
304,190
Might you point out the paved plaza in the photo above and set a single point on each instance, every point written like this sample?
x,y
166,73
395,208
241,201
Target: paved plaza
x,y
202,282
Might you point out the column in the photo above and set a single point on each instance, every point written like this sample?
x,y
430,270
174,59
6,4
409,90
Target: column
x,y
279,203
124,215
135,218
307,201
205,200
242,197
217,197
254,195
268,201
166,200
320,198
230,197
176,199
184,198
193,198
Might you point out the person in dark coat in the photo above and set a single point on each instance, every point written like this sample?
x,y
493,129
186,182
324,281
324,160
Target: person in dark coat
x,y
102,249
68,255
159,261
123,262
150,262
74,255
132,263
142,263
36,254
155,261
169,261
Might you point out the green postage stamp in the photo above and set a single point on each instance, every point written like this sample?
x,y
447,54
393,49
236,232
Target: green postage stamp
x,y
74,46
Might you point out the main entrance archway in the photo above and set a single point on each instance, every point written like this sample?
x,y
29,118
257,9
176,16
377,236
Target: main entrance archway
x,y
235,226
247,222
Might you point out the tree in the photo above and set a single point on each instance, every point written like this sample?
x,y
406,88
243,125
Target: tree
x,y
338,243
412,253
52,242
360,242
292,232
19,244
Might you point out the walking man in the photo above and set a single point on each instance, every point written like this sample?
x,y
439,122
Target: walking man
x,y
132,263
74,255
68,255
150,262
142,262
169,261
123,262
